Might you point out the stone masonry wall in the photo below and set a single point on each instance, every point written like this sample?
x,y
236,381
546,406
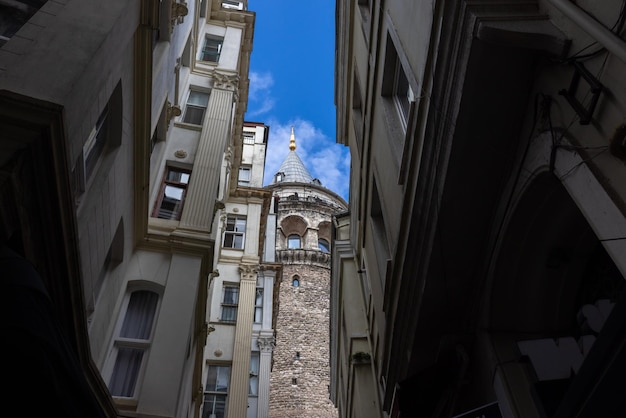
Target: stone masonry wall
x,y
302,346
301,372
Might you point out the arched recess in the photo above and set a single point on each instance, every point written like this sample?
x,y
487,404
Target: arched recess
x,y
543,263
323,230
323,236
294,225
561,251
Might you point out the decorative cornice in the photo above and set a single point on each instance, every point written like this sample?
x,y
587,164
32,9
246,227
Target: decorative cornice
x,y
301,256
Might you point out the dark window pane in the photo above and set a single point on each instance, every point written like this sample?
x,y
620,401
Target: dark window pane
x,y
125,372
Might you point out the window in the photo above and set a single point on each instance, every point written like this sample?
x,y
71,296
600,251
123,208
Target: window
x,y
230,4
245,173
196,107
396,83
295,282
254,374
402,93
365,6
92,150
215,391
132,342
173,191
293,241
357,111
248,138
114,257
379,234
235,232
212,48
258,301
14,15
323,245
230,302
97,152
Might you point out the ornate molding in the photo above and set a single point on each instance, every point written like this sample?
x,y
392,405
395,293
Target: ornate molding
x,y
248,271
224,81
172,111
179,11
266,344
301,256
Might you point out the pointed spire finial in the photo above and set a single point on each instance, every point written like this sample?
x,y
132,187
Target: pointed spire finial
x,y
292,140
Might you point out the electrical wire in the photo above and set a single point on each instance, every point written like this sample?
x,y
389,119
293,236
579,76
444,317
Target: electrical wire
x,y
616,28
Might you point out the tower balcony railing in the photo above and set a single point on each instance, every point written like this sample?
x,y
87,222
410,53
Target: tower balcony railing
x,y
303,256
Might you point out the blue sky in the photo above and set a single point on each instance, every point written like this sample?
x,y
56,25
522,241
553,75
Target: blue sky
x,y
292,84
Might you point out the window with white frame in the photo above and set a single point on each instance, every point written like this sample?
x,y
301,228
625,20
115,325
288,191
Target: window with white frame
x,y
195,109
232,4
215,391
212,48
173,192
230,302
258,301
235,232
245,174
132,342
248,138
253,386
293,241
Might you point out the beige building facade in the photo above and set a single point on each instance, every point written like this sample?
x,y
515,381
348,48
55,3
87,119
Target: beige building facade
x,y
121,126
237,357
481,265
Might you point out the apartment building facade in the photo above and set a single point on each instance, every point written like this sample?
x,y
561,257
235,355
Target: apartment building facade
x,y
241,317
121,126
481,265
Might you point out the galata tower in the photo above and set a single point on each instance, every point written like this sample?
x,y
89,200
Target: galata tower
x,y
300,372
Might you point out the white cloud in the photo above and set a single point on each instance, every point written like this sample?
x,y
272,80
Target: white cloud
x,y
322,156
260,98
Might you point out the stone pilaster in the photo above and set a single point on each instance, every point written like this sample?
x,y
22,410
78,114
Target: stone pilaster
x,y
240,372
202,190
266,346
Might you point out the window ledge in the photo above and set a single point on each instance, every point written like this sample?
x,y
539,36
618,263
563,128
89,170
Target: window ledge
x,y
160,226
126,404
189,126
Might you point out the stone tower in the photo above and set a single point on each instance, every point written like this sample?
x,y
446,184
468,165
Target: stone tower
x,y
300,373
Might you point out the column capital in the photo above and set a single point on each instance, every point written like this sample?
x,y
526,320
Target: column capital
x,y
225,81
249,271
266,344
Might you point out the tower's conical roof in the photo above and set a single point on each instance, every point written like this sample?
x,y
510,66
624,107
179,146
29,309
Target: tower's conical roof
x,y
292,169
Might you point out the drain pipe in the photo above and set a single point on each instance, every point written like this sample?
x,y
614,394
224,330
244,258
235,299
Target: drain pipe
x,y
599,32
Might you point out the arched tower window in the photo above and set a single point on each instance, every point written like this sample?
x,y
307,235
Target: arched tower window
x,y
294,241
294,228
295,282
323,245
